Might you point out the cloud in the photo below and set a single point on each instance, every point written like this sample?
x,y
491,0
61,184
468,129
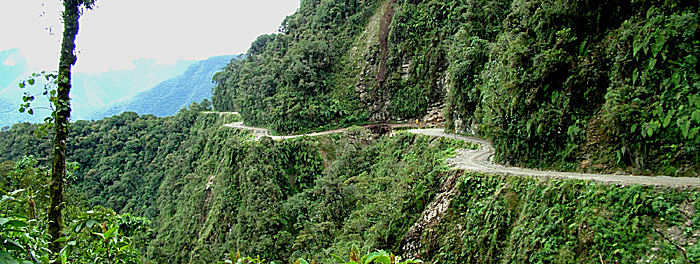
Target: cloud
x,y
118,32
9,62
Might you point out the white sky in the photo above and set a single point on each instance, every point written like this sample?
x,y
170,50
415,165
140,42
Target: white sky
x,y
119,31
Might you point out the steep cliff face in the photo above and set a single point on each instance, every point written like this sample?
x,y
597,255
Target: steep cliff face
x,y
210,190
563,82
384,74
593,85
365,69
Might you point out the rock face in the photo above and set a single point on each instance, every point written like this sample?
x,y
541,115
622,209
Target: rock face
x,y
430,217
379,130
372,48
380,76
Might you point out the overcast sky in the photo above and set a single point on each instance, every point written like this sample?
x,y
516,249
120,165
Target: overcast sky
x,y
119,31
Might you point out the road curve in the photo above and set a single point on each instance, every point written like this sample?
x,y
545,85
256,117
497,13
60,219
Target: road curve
x,y
261,132
480,160
219,113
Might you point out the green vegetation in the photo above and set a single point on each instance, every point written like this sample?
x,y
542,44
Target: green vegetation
x,y
210,190
608,82
576,85
117,152
286,79
497,219
93,235
169,96
379,257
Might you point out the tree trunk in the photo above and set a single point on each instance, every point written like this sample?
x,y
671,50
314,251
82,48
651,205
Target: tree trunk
x,y
71,14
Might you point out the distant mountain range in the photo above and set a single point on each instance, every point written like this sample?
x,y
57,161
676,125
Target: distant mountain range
x,y
169,96
148,88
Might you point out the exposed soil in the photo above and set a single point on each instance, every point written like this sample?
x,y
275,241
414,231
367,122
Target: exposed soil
x,y
383,39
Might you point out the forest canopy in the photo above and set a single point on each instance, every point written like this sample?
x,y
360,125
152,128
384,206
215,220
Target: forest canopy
x,y
610,84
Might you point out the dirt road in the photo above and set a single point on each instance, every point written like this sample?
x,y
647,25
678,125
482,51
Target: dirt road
x,y
219,113
260,132
480,160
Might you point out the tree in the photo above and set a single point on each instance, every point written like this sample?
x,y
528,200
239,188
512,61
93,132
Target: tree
x,y
71,15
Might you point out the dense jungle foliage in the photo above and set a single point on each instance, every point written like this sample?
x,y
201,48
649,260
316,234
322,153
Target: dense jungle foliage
x,y
93,234
579,85
285,81
209,191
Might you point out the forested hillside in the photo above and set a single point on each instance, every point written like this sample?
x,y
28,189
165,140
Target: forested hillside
x,y
592,85
571,85
169,96
91,91
210,190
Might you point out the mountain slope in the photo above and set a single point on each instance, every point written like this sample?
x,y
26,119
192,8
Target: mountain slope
x,y
210,190
591,84
169,96
587,85
90,91
94,91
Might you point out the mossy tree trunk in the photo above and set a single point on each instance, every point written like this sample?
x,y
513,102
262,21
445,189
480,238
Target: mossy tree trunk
x,y
71,14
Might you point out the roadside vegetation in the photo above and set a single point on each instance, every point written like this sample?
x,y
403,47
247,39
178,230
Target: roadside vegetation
x,y
571,85
210,190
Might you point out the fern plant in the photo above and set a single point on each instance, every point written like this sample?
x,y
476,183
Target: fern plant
x,y
378,257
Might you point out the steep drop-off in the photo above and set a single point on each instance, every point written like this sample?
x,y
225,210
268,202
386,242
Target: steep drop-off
x,y
580,85
211,189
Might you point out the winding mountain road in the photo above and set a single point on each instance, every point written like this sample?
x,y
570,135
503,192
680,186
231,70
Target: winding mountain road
x,y
480,160
261,132
219,113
